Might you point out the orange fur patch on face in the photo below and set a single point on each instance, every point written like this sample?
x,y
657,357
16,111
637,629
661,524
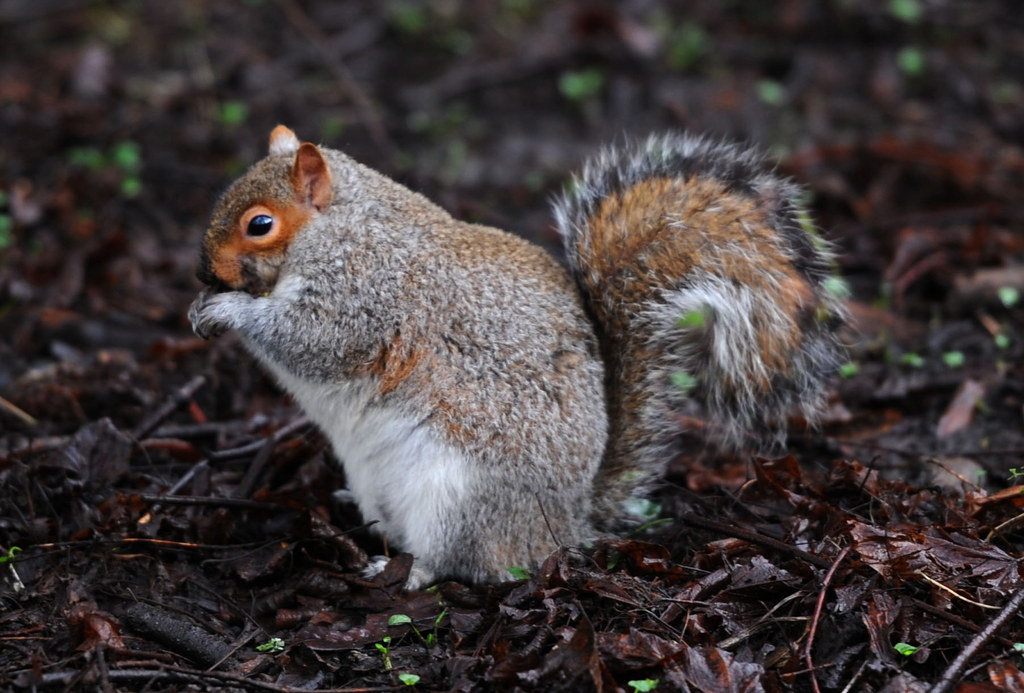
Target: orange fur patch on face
x,y
288,219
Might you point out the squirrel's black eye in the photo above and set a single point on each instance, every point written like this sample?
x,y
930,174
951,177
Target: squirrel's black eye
x,y
260,225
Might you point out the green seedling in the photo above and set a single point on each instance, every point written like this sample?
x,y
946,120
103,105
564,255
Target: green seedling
x,y
643,685
273,646
838,287
643,508
409,679
16,582
124,157
232,113
87,157
911,61
518,572
686,46
384,647
909,11
430,638
580,85
692,319
904,649
6,231
849,369
953,359
1008,296
771,92
408,18
683,381
913,360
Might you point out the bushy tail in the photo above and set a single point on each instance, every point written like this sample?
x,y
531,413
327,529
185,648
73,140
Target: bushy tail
x,y
713,295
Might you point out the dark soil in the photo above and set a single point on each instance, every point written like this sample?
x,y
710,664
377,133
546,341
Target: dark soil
x,y
165,512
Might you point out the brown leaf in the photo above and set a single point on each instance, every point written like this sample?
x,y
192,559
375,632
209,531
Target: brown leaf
x,y
636,649
879,618
1005,676
960,412
901,553
713,669
98,454
91,628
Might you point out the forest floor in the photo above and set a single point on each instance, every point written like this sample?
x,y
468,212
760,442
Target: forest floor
x,y
166,515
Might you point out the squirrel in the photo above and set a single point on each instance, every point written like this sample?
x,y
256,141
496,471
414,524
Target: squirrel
x,y
488,405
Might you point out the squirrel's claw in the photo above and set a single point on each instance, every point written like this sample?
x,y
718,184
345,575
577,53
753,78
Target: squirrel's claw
x,y
204,321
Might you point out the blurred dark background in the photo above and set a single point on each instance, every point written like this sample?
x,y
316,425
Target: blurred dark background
x,y
122,121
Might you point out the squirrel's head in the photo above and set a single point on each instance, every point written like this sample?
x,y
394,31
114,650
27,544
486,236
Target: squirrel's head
x,y
254,222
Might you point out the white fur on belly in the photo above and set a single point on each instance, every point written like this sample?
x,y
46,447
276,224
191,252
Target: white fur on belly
x,y
400,472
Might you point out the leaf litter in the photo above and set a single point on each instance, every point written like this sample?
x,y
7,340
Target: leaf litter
x,y
168,526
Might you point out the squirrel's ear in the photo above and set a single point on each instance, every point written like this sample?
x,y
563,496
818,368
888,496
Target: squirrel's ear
x,y
311,178
283,141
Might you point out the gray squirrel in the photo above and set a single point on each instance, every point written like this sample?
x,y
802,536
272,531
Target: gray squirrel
x,y
488,405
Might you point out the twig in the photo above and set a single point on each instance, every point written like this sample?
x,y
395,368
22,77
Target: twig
x,y
34,446
817,615
254,447
219,502
243,640
754,538
205,679
954,619
952,673
766,620
150,423
957,594
171,631
1005,527
199,430
18,412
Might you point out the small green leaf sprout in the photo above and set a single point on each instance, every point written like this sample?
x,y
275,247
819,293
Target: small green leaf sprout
x,y
519,573
683,381
912,360
953,359
404,620
692,319
904,649
16,582
274,645
837,286
909,11
1008,296
911,61
771,92
580,85
232,113
384,647
849,369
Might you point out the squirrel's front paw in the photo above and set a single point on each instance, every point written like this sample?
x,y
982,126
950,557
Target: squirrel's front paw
x,y
211,313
